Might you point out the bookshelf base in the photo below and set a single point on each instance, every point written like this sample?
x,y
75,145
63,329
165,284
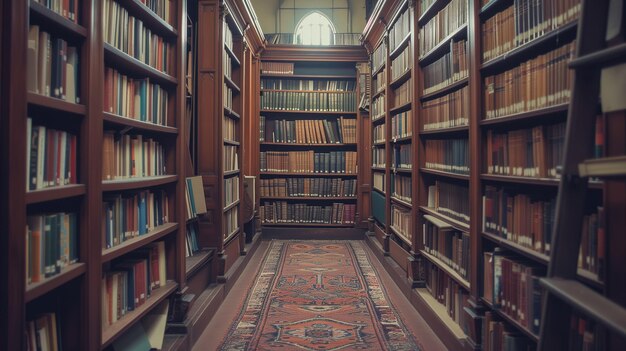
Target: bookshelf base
x,y
234,270
176,342
320,233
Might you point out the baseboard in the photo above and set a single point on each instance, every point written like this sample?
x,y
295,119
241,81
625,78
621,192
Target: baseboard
x,y
235,270
173,342
313,233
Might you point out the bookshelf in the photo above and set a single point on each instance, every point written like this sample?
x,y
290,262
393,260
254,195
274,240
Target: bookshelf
x,y
309,135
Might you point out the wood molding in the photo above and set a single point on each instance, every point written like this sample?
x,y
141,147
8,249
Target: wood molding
x,y
337,53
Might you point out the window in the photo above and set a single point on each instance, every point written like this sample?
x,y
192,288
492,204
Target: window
x,y
314,29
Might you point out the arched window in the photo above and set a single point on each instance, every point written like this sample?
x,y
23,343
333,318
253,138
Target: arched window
x,y
314,29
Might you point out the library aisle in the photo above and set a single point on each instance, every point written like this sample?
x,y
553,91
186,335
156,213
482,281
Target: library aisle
x,y
316,294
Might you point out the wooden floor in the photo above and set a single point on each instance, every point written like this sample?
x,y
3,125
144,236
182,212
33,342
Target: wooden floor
x,y
217,329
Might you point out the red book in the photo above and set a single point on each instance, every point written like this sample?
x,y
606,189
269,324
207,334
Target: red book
x,y
73,174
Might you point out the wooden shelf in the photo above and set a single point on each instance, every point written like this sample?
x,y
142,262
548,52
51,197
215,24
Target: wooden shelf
x,y
55,193
378,69
442,312
381,169
378,93
307,76
449,270
137,242
378,119
232,55
431,11
231,206
320,225
528,333
527,116
55,22
405,76
310,112
140,125
308,91
443,46
521,180
153,21
402,170
137,183
517,248
230,113
67,274
445,131
231,173
55,104
603,167
400,108
379,143
464,177
110,333
197,261
310,198
403,139
230,236
445,90
310,174
399,235
600,59
401,202
492,7
231,142
267,143
458,225
231,84
400,47
129,64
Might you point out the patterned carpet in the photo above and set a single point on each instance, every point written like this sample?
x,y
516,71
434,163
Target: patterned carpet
x,y
318,295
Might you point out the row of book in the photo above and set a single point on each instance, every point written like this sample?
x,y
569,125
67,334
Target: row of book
x,y
227,66
194,196
450,246
131,156
592,255
127,216
380,81
163,8
230,158
401,187
402,157
227,97
132,280
43,332
448,155
402,125
231,222
379,156
228,35
446,291
191,240
401,222
51,244
401,63
448,111
424,5
229,129
378,57
451,67
231,190
540,82
403,94
379,133
524,21
138,99
499,335
305,131
284,68
449,199
512,286
308,187
53,66
532,152
444,23
51,157
309,101
400,29
525,219
131,36
308,84
284,212
378,107
378,181
66,8
309,161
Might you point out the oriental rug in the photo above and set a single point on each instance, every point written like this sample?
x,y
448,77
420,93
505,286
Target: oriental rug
x,y
318,295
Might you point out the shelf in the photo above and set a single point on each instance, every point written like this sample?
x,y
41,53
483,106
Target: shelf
x,y
399,235
379,143
444,131
512,321
400,47
464,177
232,55
231,84
231,173
310,174
378,70
308,91
402,170
110,333
406,75
492,7
137,242
320,225
197,261
267,143
67,274
310,112
600,59
529,48
141,125
443,46
59,24
230,113
231,142
381,169
525,116
403,139
311,198
379,191
56,104
449,270
517,248
122,60
307,76
400,108
431,11
55,193
232,234
445,90
378,119
589,302
137,183
378,93
231,206
156,24
442,312
458,225
603,167
401,202
552,182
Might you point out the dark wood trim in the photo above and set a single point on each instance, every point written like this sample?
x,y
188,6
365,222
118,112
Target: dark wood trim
x,y
336,53
445,90
137,183
54,193
128,63
139,241
67,274
137,124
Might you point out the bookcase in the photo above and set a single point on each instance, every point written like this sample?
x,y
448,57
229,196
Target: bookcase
x,y
309,137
